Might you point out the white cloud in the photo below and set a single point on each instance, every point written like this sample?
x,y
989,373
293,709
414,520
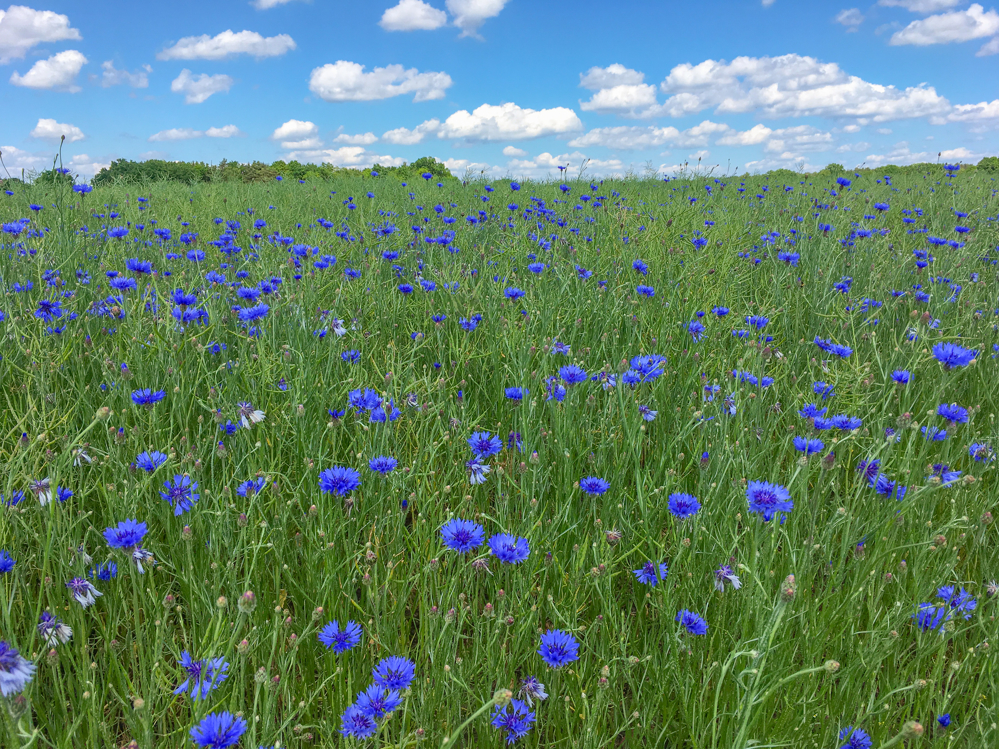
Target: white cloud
x,y
626,137
546,165
921,6
902,154
853,147
412,15
268,4
790,85
187,133
298,135
470,14
226,131
57,72
402,136
364,139
86,166
617,90
754,136
21,28
797,140
956,26
513,151
51,130
347,81
884,131
985,111
461,167
509,122
197,88
617,74
228,44
851,18
768,3
991,47
17,159
113,77
352,156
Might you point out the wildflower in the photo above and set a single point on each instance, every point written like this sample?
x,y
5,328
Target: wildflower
x,y
251,486
84,593
683,505
808,446
693,623
7,562
532,689
514,718
944,720
696,330
42,489
477,471
558,648
339,480
147,397
383,464
902,376
180,494
768,499
953,413
509,549
651,573
218,731
647,413
515,394
376,701
855,738
355,722
572,375
462,535
930,616
951,355
724,574
484,444
593,486
52,629
105,572
981,452
150,461
962,602
340,639
248,415
888,488
202,676
649,366
394,672
15,670
647,291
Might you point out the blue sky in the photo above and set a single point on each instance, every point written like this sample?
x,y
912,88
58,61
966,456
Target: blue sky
x,y
508,87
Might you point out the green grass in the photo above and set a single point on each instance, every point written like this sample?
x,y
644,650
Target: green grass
x,y
759,676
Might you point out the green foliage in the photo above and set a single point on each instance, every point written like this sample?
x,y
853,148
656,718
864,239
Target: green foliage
x,y
989,165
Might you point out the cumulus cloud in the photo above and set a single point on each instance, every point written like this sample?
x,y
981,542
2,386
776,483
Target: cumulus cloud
x,y
626,137
790,86
228,44
991,47
752,137
412,15
983,112
469,15
352,156
17,159
791,142
513,151
186,133
113,77
509,122
921,6
363,139
546,165
51,130
617,90
21,28
297,134
462,167
197,88
851,18
902,154
957,26
402,136
768,3
347,81
57,72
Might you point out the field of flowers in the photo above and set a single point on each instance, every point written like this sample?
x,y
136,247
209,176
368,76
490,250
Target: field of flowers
x,y
706,463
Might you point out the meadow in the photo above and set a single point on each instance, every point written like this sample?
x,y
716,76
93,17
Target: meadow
x,y
702,463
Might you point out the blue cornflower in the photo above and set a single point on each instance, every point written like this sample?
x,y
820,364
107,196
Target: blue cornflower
x,y
181,494
696,330
651,573
961,602
823,389
931,616
252,314
251,486
981,452
150,461
383,464
768,499
572,374
855,738
516,394
134,265
513,292
509,549
202,676
934,434
484,444
7,562
340,639
885,487
648,366
641,267
593,485
339,480
121,283
719,311
757,321
952,355
902,376
532,689
477,471
405,288
692,622
394,672
944,720
53,630
355,722
218,731
105,572
646,290
127,535
683,505
462,535
558,648
377,702
808,446
953,413
15,670
725,574
147,397
515,718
